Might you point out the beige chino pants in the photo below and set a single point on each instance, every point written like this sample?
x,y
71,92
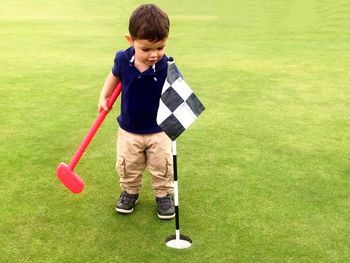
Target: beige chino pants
x,y
135,152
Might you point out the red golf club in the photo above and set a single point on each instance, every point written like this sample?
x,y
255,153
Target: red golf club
x,y
66,172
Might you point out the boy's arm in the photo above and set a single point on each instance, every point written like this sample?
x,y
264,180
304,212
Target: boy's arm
x,y
108,87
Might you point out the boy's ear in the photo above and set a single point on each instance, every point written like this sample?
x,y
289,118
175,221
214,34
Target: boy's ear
x,y
129,39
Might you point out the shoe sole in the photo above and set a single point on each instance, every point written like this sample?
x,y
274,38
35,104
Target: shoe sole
x,y
124,211
165,216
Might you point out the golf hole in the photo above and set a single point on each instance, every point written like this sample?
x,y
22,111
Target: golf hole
x,y
181,243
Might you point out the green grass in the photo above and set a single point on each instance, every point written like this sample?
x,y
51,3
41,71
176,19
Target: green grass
x,y
264,172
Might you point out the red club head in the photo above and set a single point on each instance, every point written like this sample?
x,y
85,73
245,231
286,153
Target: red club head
x,y
70,179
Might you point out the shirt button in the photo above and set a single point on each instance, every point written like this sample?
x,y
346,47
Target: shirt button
x,y
139,76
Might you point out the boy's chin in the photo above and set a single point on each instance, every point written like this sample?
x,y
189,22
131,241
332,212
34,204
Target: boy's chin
x,y
151,62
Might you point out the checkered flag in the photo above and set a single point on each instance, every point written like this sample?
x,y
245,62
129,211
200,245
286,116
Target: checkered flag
x,y
178,105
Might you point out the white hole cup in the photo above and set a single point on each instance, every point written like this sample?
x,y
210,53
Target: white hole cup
x,y
180,242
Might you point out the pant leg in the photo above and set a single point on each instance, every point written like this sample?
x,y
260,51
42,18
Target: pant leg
x,y
131,161
160,163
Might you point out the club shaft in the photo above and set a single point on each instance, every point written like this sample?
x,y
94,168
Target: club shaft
x,y
95,126
87,139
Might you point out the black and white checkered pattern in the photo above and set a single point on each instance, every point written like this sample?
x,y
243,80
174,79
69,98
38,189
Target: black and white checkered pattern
x,y
178,105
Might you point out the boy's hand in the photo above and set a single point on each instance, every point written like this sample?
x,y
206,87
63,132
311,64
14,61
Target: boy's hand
x,y
102,104
108,87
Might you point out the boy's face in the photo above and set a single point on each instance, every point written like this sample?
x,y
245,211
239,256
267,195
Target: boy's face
x,y
147,52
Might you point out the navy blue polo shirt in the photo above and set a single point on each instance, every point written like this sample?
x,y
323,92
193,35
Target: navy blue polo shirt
x,y
140,92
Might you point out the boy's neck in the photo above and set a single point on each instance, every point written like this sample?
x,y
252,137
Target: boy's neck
x,y
140,66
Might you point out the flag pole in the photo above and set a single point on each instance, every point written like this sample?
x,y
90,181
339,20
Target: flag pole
x,y
178,108
177,241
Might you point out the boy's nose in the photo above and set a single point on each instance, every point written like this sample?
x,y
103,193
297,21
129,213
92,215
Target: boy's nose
x,y
153,54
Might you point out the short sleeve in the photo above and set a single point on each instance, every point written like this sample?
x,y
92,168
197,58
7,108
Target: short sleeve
x,y
116,65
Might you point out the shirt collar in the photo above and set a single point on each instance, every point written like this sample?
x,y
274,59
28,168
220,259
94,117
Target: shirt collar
x,y
160,65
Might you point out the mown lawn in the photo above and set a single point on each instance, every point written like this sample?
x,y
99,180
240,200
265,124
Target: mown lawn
x,y
263,173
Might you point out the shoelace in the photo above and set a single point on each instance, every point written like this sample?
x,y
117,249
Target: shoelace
x,y
165,202
127,199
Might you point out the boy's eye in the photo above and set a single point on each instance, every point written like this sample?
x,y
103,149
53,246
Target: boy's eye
x,y
145,49
160,48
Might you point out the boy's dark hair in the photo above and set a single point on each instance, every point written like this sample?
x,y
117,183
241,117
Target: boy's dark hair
x,y
149,22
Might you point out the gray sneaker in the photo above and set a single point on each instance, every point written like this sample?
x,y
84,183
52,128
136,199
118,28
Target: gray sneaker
x,y
165,207
126,202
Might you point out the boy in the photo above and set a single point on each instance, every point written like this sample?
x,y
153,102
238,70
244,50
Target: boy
x,y
142,70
